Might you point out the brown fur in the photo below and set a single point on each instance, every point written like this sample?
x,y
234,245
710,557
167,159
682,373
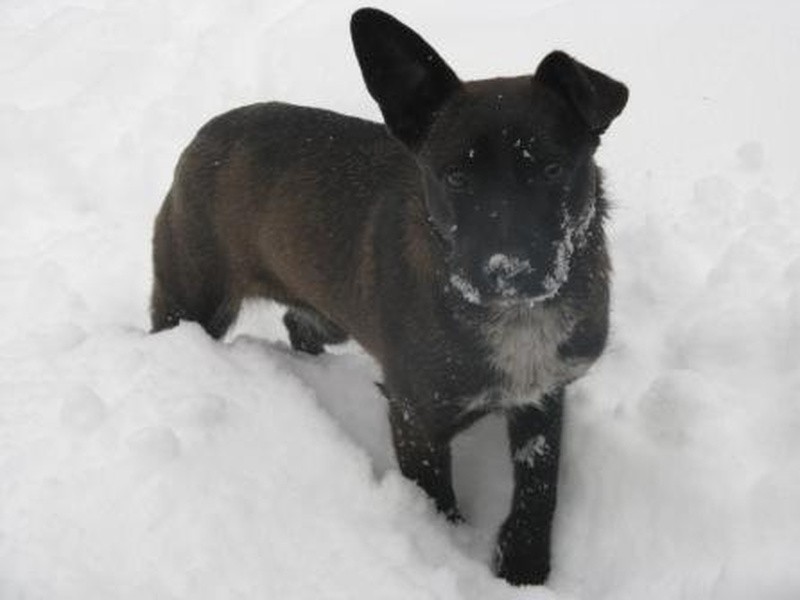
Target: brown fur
x,y
394,236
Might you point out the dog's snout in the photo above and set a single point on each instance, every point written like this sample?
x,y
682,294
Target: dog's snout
x,y
505,266
505,272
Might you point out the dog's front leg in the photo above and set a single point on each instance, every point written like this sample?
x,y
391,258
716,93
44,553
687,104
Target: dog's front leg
x,y
522,554
423,458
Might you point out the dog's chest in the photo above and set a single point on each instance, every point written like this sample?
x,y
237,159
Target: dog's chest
x,y
524,352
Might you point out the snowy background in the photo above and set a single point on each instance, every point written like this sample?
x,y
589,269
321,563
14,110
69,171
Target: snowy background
x,y
174,467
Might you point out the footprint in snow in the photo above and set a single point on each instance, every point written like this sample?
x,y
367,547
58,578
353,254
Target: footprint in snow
x,y
676,406
82,410
155,444
203,410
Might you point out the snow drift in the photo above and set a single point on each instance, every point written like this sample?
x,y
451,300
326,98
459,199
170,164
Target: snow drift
x,y
172,466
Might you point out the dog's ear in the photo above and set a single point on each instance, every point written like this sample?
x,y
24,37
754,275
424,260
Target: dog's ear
x,y
404,75
597,98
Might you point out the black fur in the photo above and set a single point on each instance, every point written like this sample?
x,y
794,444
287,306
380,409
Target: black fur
x,y
465,251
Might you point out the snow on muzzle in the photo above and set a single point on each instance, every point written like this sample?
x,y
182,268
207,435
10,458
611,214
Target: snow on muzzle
x,y
507,278
510,277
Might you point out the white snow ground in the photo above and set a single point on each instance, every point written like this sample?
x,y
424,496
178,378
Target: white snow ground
x,y
171,466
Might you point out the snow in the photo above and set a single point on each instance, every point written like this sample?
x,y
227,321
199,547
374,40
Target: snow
x,y
468,291
173,466
509,266
504,269
531,451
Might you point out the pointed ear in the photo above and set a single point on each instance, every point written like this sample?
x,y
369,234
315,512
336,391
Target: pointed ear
x,y
597,98
404,75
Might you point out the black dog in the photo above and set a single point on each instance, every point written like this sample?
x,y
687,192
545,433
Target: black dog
x,y
463,248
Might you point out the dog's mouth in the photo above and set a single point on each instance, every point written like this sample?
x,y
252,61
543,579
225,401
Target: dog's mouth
x,y
506,280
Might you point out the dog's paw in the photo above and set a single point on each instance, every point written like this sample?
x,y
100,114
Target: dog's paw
x,y
521,557
454,516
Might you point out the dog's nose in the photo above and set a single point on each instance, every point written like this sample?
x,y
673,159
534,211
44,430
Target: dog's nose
x,y
504,265
503,272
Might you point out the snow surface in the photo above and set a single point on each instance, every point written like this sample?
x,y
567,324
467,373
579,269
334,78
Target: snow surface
x,y
172,466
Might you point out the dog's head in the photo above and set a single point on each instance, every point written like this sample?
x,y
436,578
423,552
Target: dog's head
x,y
510,180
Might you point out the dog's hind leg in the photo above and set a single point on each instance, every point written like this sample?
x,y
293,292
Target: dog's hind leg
x,y
309,331
191,282
165,313
215,311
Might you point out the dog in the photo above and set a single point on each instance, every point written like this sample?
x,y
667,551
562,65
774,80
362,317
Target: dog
x,y
461,244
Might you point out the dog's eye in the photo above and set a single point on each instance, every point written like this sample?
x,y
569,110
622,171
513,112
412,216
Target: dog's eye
x,y
553,170
456,179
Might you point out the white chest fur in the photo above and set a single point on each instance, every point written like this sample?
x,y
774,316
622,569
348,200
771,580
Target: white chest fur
x,y
524,344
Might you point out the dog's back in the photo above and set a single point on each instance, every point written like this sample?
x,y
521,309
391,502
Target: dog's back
x,y
264,189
